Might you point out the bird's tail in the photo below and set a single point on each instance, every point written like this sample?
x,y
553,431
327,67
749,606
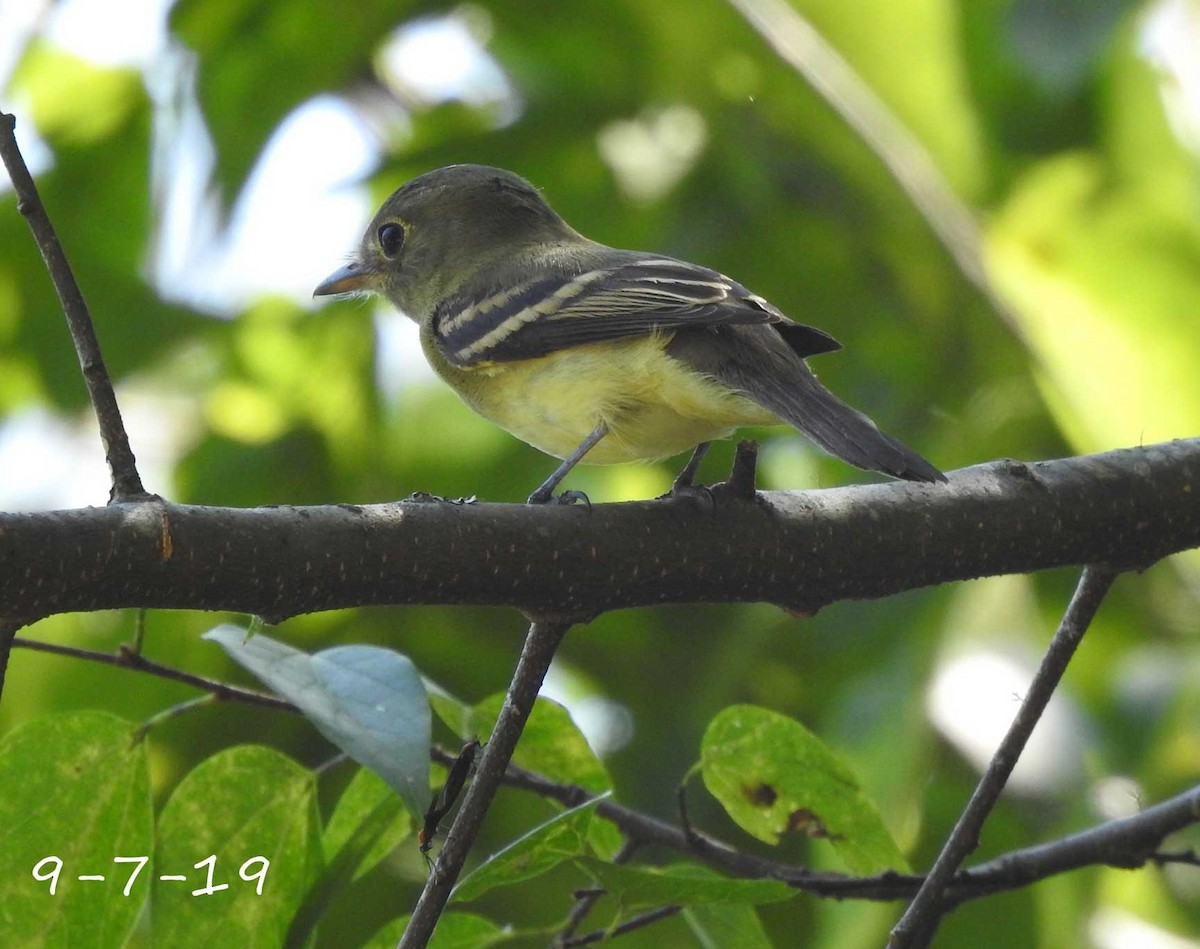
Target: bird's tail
x,y
782,383
841,429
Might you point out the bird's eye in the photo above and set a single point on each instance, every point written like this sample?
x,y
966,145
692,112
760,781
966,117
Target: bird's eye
x,y
391,239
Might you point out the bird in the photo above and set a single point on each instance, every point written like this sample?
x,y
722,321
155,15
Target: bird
x,y
592,353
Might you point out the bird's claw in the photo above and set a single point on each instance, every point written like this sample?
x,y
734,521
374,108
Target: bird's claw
x,y
567,497
424,497
700,494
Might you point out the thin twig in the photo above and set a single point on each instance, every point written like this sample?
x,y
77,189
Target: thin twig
x,y
586,899
1125,843
1186,857
172,712
126,483
127,659
685,820
801,46
920,920
541,643
636,922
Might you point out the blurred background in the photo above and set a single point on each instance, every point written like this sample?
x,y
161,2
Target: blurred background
x,y
208,162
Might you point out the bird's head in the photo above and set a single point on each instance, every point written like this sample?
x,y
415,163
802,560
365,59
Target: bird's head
x,y
442,229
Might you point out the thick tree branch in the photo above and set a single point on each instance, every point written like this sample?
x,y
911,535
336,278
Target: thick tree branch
x,y
801,550
126,483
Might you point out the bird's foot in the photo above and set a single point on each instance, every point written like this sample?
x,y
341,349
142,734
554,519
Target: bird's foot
x,y
567,497
424,497
700,494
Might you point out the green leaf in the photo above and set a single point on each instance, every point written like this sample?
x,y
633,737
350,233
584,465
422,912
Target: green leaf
x,y
238,807
1101,274
562,838
454,931
368,806
455,714
551,744
773,776
679,883
366,826
76,787
727,926
368,701
75,101
604,838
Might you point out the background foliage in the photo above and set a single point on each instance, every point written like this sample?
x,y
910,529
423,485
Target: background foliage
x,y
664,125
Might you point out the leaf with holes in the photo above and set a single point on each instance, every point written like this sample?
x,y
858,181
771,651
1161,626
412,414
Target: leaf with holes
x,y
773,776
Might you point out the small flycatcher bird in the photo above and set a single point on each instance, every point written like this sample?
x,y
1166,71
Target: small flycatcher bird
x,y
591,353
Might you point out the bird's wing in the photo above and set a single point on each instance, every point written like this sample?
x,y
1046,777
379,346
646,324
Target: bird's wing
x,y
633,297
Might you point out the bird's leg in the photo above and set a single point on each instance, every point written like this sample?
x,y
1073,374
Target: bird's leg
x,y
687,476
545,491
684,485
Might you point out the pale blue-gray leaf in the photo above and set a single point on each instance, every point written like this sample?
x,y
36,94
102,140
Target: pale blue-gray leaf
x,y
367,700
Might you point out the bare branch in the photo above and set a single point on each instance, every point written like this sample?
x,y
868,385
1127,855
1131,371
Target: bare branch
x,y
640,921
586,899
540,645
1126,843
918,924
126,483
128,659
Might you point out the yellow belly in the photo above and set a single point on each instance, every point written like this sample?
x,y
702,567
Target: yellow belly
x,y
653,405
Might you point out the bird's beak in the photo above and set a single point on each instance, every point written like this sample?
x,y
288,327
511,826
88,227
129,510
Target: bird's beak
x,y
348,279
